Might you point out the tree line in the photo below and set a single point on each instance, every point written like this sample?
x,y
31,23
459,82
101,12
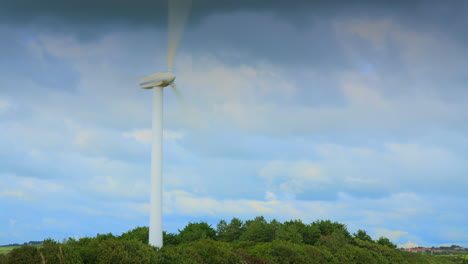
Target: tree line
x,y
256,241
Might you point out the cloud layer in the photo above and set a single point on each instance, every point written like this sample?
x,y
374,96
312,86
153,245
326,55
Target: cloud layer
x,y
350,117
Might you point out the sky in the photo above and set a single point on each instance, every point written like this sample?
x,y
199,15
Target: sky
x,y
353,111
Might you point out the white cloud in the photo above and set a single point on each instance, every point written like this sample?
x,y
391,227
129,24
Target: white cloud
x,y
377,180
37,185
172,135
243,83
84,138
145,135
452,233
365,172
374,31
408,245
231,98
67,46
360,96
140,135
119,186
394,166
393,235
49,220
270,196
243,97
382,33
414,155
28,188
293,177
108,143
17,194
4,105
184,203
250,105
356,213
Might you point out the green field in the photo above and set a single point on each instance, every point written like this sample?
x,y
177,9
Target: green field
x,y
5,250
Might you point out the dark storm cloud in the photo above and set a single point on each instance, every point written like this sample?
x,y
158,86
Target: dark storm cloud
x,y
262,29
142,12
294,33
89,16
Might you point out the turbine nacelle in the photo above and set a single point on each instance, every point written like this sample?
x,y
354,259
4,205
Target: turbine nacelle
x,y
160,79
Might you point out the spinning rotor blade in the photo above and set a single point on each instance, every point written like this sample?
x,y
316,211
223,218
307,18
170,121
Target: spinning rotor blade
x,y
178,94
178,14
192,116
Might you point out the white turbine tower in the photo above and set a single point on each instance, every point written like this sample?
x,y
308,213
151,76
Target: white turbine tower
x,y
178,13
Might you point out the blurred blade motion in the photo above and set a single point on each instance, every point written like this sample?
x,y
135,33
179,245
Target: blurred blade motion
x,y
178,14
178,95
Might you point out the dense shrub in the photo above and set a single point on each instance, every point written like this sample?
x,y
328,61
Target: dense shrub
x,y
55,253
320,255
251,242
211,251
382,252
171,239
87,248
24,254
3,259
196,231
174,254
114,251
139,234
283,252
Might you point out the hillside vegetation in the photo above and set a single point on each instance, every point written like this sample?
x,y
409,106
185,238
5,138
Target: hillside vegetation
x,y
251,242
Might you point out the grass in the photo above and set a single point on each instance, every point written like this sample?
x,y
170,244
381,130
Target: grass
x,y
5,250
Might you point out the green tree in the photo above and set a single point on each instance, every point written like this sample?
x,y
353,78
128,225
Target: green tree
x,y
386,242
274,225
234,230
258,230
170,238
102,237
311,234
196,231
229,232
328,227
221,228
138,233
362,235
291,231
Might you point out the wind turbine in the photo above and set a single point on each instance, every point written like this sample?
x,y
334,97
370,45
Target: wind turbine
x,y
178,13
